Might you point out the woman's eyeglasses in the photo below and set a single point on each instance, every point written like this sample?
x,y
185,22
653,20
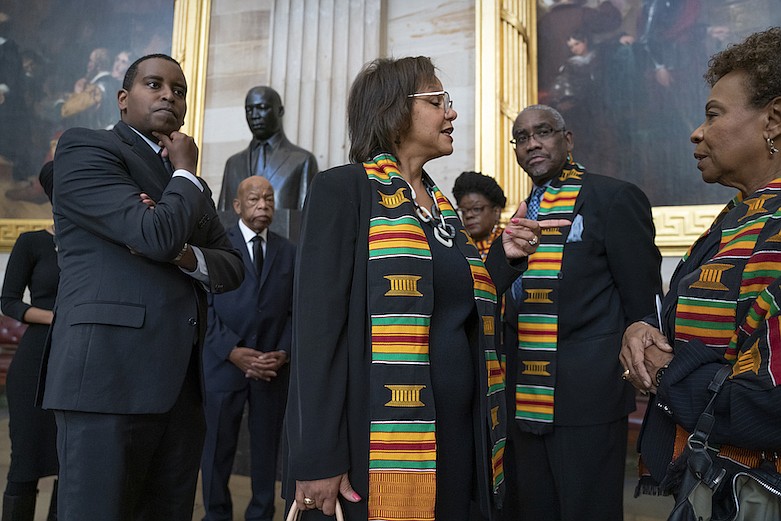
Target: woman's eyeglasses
x,y
447,102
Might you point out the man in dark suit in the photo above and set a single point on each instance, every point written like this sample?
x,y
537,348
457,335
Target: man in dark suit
x,y
139,245
563,322
245,357
270,154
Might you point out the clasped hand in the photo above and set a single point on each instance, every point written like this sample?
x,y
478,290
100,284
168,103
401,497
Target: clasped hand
x,y
258,365
644,350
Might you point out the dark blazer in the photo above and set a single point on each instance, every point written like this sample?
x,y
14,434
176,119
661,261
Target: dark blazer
x,y
327,421
289,169
257,314
126,319
608,280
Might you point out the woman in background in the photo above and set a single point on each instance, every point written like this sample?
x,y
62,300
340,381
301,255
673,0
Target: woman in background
x,y
32,265
480,201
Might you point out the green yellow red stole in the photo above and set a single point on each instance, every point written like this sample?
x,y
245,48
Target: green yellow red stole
x,y
735,294
538,311
403,445
731,301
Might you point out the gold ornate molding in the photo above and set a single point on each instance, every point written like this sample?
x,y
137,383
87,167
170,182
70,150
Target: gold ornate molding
x,y
10,229
190,47
677,227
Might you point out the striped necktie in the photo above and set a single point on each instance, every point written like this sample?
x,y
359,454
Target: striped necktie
x,y
531,213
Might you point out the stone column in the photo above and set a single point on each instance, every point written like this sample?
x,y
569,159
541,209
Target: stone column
x,y
317,48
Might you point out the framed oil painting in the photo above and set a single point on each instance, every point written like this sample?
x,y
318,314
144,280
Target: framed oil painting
x,y
627,75
61,65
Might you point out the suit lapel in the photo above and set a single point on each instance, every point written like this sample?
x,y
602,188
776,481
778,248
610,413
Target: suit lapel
x,y
272,245
152,179
277,158
237,240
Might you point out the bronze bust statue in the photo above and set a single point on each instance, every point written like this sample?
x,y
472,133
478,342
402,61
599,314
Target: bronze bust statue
x,y
270,154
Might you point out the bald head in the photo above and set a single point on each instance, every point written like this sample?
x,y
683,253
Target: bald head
x,y
264,112
254,203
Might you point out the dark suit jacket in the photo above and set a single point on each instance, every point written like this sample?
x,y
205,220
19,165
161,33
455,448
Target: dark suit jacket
x,y
126,319
607,281
289,169
257,314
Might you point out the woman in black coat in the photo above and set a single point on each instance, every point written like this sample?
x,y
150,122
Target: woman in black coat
x,y
395,397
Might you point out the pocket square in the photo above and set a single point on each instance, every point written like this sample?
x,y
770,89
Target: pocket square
x,y
576,230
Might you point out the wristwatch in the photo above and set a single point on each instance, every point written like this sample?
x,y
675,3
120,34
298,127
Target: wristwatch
x,y
659,374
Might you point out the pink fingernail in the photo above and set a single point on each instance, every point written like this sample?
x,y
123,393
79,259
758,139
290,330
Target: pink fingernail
x,y
356,496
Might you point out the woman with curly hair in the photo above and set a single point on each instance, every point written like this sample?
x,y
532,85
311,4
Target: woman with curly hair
x,y
480,202
722,310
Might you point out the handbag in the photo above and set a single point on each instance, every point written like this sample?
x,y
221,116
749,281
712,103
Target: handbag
x,y
753,494
295,513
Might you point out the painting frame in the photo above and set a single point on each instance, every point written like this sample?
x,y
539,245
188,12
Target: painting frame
x,y
506,54
190,34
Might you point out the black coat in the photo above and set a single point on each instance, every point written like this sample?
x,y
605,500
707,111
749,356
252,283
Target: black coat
x,y
327,422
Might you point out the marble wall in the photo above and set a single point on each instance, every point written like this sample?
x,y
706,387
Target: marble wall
x,y
310,50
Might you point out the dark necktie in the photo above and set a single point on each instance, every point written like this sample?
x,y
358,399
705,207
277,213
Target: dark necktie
x,y
531,213
262,157
257,252
166,162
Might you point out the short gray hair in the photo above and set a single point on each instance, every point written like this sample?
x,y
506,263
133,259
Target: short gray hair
x,y
557,117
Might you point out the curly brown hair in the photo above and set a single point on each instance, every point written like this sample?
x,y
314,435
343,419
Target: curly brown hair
x,y
759,56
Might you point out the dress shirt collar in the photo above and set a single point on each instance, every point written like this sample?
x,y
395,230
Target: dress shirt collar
x,y
248,235
149,142
273,141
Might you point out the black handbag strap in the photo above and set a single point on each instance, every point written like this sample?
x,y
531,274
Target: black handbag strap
x,y
706,420
700,460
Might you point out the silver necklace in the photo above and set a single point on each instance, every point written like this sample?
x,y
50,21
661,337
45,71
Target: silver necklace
x,y
444,232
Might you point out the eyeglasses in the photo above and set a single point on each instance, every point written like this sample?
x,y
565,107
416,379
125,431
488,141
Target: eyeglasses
x,y
475,210
447,102
542,134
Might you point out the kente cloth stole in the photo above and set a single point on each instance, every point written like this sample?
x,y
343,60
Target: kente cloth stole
x,y
725,300
484,246
538,312
403,445
731,302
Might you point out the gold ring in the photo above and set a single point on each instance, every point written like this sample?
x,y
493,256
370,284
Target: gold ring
x,y
533,242
308,501
625,375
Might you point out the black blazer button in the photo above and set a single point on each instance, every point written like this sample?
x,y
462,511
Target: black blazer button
x,y
192,321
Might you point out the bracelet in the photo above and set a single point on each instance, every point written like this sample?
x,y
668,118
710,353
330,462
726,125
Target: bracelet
x,y
181,253
659,374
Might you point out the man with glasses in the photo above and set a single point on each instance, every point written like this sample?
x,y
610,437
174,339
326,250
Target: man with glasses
x,y
567,402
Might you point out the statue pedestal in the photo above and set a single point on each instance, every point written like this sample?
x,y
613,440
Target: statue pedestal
x,y
287,223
